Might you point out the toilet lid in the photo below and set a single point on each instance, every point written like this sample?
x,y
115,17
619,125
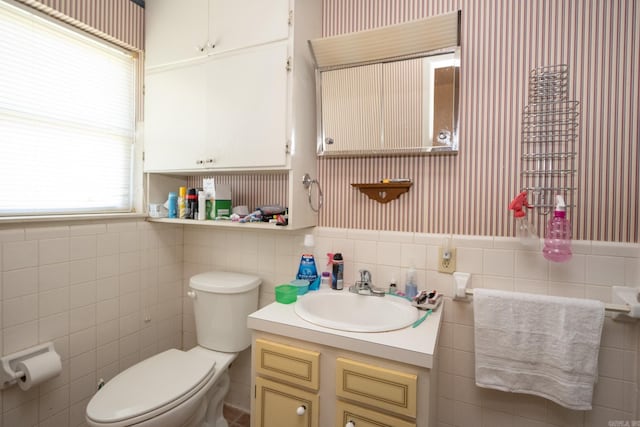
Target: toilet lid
x,y
158,382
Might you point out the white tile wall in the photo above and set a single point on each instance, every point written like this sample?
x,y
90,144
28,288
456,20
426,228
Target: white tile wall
x,y
109,294
502,263
79,285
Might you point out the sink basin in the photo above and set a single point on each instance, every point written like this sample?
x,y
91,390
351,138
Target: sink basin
x,y
346,311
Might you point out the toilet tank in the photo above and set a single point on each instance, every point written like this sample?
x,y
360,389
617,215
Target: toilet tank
x,y
221,303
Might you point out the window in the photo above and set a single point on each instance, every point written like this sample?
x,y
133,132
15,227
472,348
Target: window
x,y
67,120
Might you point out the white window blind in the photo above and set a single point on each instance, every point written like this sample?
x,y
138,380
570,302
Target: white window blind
x,y
67,120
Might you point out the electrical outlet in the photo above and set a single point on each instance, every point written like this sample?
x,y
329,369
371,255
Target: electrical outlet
x,y
446,260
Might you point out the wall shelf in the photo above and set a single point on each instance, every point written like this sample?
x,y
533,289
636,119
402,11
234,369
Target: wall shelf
x,y
384,192
227,224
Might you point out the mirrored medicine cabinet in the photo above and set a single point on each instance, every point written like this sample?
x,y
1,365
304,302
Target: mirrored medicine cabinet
x,y
390,91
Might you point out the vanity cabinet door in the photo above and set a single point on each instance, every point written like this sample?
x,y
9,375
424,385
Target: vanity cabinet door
x,y
290,364
280,405
362,417
382,388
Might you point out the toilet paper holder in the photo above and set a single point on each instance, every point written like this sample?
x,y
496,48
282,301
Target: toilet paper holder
x,y
9,374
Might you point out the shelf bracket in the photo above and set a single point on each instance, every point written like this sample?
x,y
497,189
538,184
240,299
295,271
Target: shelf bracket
x,y
384,193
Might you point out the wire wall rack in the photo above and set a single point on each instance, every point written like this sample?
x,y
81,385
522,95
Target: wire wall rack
x,y
550,128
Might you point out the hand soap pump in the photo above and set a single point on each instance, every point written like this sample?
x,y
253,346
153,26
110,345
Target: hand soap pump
x,y
307,270
525,230
557,242
411,288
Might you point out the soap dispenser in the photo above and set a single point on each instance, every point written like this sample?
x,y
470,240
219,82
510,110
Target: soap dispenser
x,y
410,287
557,242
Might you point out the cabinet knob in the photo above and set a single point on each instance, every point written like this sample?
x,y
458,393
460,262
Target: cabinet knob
x,y
200,48
210,160
350,424
301,410
199,162
192,295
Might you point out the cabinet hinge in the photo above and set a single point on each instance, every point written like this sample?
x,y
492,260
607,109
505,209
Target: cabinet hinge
x,y
287,148
289,64
290,17
255,391
143,156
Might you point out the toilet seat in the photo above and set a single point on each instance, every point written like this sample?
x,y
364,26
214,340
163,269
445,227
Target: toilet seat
x,y
151,387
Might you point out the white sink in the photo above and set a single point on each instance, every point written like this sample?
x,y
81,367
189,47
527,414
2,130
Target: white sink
x,y
347,311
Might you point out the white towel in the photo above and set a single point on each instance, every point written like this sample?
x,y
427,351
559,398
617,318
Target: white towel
x,y
538,344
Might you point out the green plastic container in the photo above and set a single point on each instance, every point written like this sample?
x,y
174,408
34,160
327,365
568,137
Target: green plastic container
x,y
286,294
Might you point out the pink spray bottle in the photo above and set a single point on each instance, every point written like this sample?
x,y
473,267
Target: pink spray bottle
x,y
557,241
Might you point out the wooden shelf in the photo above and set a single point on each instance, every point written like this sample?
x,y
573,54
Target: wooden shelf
x,y
384,193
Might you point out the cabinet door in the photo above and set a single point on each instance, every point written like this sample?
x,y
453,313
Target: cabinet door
x,y
175,30
175,107
247,108
379,387
277,405
361,417
352,109
290,364
242,23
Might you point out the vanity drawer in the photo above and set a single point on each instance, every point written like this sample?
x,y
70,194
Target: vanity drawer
x,y
362,417
382,388
291,364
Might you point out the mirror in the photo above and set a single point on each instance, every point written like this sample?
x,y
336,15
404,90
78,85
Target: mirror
x,y
407,106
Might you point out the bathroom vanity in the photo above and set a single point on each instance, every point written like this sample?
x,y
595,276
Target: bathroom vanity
x,y
309,375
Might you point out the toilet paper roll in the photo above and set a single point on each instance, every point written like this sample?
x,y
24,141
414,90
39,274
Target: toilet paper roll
x,y
38,369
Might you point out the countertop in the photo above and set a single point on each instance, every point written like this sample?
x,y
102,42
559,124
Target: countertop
x,y
414,346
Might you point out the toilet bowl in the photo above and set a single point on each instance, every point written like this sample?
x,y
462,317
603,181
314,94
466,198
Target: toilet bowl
x,y
178,388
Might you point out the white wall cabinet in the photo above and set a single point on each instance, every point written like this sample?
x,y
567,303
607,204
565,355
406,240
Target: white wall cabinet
x,y
226,112
190,29
247,108
176,116
245,105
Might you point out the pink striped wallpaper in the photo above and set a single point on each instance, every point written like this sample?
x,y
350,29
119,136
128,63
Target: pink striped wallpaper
x,y
501,41
251,190
119,21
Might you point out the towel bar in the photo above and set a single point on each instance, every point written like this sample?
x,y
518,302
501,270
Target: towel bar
x,y
616,308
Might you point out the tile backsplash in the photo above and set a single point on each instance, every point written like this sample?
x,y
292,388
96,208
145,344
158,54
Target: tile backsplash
x,y
111,293
495,262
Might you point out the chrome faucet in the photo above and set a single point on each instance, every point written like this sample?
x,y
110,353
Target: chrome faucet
x,y
364,286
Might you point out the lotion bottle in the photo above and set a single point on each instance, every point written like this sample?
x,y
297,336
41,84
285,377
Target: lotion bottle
x,y
202,206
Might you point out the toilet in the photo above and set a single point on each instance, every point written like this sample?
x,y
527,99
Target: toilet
x,y
178,388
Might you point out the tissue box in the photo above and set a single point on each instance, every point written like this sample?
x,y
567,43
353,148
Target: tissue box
x,y
221,194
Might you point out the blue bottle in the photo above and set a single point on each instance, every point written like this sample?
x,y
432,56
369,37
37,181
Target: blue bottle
x,y
173,205
307,269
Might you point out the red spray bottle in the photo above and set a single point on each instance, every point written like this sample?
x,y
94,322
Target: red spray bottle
x,y
525,230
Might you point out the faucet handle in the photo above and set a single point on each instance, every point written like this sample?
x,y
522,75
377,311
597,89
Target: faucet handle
x,y
365,276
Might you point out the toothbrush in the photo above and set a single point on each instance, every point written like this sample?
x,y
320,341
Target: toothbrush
x,y
420,320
